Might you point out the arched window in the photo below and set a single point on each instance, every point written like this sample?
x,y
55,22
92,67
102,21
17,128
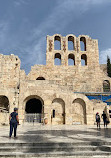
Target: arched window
x,y
57,59
83,59
83,44
57,43
71,59
106,86
40,78
70,43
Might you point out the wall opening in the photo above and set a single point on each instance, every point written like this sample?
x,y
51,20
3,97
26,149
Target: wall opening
x,y
83,44
83,59
106,86
40,78
53,113
79,111
33,106
70,43
57,43
59,106
4,104
71,59
57,59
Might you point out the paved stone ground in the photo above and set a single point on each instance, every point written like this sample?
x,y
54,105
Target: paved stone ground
x,y
57,134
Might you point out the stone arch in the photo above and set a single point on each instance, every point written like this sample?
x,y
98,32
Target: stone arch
x,y
72,39
71,43
79,111
40,78
83,59
57,59
33,100
106,86
4,103
58,105
71,59
34,109
82,43
57,42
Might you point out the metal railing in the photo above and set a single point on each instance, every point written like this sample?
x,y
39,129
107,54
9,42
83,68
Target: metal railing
x,y
34,118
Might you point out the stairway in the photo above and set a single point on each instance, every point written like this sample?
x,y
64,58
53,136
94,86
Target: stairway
x,y
64,141
77,149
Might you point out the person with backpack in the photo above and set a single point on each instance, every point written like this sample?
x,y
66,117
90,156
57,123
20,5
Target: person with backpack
x,y
98,119
13,121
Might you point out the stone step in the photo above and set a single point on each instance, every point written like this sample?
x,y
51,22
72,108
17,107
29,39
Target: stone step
x,y
80,143
39,149
56,154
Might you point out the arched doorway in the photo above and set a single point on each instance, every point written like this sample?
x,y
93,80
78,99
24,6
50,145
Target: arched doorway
x,y
34,109
79,111
4,104
33,106
58,111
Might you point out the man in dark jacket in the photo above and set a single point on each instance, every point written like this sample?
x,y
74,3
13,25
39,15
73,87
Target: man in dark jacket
x,y
104,118
13,121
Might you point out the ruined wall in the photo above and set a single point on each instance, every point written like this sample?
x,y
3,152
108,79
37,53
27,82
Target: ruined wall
x,y
79,78
69,108
10,78
54,84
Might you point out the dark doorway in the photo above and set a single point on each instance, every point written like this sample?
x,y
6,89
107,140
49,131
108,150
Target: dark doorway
x,y
4,104
33,106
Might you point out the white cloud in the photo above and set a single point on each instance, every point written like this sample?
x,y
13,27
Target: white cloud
x,y
20,2
60,16
3,31
104,54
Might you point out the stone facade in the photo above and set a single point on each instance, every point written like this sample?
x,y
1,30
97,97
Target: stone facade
x,y
53,86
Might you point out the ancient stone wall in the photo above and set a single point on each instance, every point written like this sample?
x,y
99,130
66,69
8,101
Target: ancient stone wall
x,y
79,78
54,85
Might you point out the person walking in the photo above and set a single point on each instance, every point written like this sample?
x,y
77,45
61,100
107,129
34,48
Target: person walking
x,y
104,117
13,121
98,119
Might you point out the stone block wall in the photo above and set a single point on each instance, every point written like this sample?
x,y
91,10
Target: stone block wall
x,y
54,85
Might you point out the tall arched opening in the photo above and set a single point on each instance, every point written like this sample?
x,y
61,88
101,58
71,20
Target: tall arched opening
x,y
57,43
106,86
57,59
34,109
58,111
79,111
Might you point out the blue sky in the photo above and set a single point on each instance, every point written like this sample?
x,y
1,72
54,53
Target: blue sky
x,y
24,25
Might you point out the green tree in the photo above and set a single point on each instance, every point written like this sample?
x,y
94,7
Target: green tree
x,y
108,66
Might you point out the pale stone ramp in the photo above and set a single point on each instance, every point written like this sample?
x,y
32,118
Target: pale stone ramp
x,y
56,141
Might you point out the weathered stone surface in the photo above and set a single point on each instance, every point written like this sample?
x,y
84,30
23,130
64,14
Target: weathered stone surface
x,y
55,85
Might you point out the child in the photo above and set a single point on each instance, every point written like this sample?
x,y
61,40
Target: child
x,y
98,119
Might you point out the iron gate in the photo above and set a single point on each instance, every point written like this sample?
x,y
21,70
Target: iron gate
x,y
38,118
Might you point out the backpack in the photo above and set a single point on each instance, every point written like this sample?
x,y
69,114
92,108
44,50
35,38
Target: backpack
x,y
97,117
